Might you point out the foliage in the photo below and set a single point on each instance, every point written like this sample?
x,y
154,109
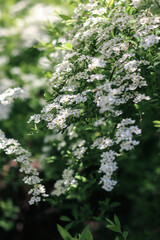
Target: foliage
x,y
96,138
85,235
116,227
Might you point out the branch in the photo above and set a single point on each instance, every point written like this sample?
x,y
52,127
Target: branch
x,y
157,3
112,74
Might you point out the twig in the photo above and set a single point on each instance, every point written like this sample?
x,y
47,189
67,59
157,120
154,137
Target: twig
x,y
112,74
157,3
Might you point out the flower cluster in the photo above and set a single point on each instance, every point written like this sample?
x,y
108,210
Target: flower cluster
x,y
124,134
108,166
10,94
67,181
100,77
22,156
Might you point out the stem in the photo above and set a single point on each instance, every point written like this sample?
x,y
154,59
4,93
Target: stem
x,y
157,3
112,74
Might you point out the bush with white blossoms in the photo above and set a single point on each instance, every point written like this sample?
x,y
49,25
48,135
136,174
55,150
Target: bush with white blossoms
x,y
102,66
100,78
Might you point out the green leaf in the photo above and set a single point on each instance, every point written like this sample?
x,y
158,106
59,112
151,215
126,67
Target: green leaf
x,y
75,213
117,222
117,238
113,228
88,128
86,234
69,225
157,126
65,17
50,159
81,178
156,122
89,235
48,95
66,46
69,152
110,3
112,223
64,234
35,128
129,10
136,106
69,22
115,204
125,234
65,218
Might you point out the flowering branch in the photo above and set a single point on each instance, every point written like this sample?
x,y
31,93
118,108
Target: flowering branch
x,y
23,157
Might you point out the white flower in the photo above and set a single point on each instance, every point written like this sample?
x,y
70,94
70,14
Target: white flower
x,y
100,122
149,41
96,62
102,143
131,66
139,97
61,186
135,3
10,94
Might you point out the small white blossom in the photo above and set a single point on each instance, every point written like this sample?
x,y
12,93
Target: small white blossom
x,y
102,143
62,186
10,94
